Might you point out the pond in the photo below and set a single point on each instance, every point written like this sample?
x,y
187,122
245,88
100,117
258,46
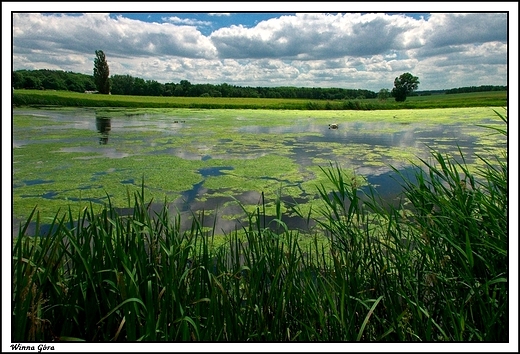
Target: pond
x,y
221,161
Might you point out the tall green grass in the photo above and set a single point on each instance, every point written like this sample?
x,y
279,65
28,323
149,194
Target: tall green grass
x,y
433,269
75,99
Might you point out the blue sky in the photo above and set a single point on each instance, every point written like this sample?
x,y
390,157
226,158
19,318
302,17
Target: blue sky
x,y
208,22
205,22
250,46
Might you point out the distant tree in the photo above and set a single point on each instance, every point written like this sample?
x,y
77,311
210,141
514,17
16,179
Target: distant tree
x,y
122,84
53,83
154,88
31,82
101,73
18,80
169,87
404,85
74,85
178,91
186,86
139,87
383,94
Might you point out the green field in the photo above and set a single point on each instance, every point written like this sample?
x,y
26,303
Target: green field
x,y
74,99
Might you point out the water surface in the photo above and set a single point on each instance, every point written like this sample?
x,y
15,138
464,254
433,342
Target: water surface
x,y
66,156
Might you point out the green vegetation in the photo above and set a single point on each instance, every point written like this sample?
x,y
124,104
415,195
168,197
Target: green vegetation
x,y
404,85
383,94
52,80
435,268
481,88
74,99
128,85
58,165
101,73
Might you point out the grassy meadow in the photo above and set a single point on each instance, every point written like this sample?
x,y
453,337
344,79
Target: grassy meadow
x,y
74,99
432,269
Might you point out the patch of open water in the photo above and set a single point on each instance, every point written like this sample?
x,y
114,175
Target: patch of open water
x,y
305,142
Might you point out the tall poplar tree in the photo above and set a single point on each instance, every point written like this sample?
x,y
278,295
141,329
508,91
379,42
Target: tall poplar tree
x,y
101,73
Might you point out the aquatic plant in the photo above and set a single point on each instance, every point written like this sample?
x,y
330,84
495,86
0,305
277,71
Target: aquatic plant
x,y
434,268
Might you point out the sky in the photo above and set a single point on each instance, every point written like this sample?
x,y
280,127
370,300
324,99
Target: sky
x,y
263,44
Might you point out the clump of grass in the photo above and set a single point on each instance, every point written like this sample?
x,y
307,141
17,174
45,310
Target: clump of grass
x,y
461,221
432,269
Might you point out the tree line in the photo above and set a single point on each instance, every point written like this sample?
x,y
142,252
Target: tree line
x,y
45,79
128,85
482,88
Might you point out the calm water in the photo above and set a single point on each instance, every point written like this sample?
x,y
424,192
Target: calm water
x,y
305,139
